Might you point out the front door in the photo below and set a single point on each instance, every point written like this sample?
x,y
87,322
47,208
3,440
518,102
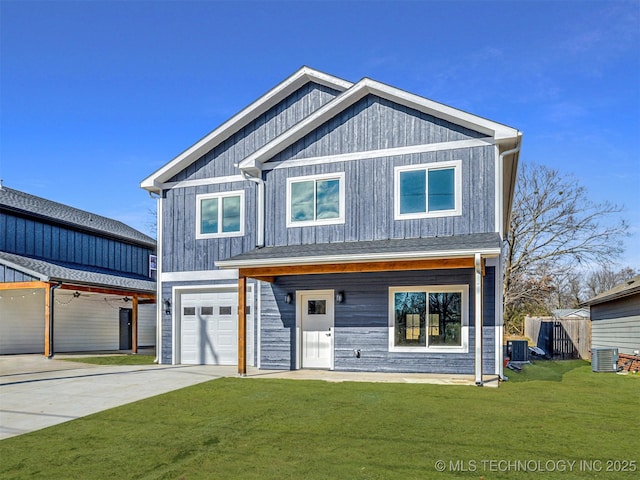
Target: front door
x,y
316,326
126,329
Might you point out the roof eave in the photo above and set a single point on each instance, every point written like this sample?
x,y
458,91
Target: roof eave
x,y
355,258
502,133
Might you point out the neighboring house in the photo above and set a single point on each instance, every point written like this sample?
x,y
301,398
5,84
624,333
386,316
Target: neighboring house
x,y
339,226
615,319
71,280
571,313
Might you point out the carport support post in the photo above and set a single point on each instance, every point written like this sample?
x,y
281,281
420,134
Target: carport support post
x,y
242,325
134,324
47,320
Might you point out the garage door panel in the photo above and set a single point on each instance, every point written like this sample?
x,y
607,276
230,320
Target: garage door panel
x,y
210,335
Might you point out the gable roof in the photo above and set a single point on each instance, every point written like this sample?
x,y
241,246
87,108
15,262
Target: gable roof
x,y
625,289
240,120
34,206
48,271
501,133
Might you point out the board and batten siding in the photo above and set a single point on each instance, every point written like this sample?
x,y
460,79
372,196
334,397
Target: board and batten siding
x,y
219,162
369,200
30,237
374,123
10,275
617,324
361,321
180,250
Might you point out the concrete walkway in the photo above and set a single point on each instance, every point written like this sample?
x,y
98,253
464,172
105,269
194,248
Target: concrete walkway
x,y
36,392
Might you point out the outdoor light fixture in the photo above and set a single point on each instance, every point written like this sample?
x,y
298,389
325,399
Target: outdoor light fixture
x,y
167,306
339,297
76,294
288,298
126,299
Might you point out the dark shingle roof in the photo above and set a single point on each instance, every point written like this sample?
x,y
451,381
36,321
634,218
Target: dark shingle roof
x,y
342,251
57,212
76,274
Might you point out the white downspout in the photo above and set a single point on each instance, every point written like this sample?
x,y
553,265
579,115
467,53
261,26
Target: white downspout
x,y
500,339
159,303
260,200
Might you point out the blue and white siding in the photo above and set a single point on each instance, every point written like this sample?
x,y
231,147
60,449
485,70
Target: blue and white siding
x,y
362,322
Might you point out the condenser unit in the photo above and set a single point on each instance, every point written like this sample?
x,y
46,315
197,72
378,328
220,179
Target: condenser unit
x,y
604,359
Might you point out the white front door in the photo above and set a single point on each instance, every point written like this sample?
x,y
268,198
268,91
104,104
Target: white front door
x,y
316,327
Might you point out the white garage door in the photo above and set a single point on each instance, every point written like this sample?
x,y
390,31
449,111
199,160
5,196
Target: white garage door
x,y
209,334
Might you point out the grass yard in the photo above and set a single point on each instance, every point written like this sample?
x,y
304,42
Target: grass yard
x,y
114,360
532,427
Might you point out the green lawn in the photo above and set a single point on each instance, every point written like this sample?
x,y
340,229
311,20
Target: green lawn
x,y
544,418
114,360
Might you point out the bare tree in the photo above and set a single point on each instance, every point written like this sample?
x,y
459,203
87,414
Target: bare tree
x,y
554,228
605,278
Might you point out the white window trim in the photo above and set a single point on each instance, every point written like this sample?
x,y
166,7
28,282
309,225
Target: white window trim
x,y
457,166
329,221
464,330
219,195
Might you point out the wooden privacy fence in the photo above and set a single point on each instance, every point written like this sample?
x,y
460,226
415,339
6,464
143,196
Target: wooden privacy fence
x,y
563,339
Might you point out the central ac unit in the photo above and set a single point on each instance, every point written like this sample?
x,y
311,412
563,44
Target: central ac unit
x,y
604,359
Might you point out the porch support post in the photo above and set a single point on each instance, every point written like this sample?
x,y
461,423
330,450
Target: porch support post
x,y
478,319
134,324
242,325
47,320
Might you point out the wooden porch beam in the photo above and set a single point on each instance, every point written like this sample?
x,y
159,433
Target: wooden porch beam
x,y
23,285
242,325
387,266
107,291
134,325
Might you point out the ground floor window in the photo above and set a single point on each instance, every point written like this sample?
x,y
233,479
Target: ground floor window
x,y
429,318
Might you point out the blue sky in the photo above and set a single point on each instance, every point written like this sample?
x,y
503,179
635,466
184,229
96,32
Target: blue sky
x,y
95,96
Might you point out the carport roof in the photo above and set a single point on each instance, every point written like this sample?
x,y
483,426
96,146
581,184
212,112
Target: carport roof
x,y
76,274
369,251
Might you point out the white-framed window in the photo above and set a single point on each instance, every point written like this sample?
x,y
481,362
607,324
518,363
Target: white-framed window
x,y
220,214
428,190
315,200
429,319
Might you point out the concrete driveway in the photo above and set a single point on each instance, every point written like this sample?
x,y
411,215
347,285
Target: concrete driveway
x,y
36,392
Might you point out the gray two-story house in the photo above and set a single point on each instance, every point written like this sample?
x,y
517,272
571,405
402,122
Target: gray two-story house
x,y
340,226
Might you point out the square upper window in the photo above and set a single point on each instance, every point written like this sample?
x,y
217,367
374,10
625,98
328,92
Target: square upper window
x,y
220,214
429,319
433,190
315,200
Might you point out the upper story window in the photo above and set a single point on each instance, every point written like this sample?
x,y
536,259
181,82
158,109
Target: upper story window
x,y
428,190
220,214
315,200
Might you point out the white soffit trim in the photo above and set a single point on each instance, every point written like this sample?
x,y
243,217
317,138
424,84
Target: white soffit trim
x,y
387,152
203,181
28,271
359,258
241,119
199,275
365,87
